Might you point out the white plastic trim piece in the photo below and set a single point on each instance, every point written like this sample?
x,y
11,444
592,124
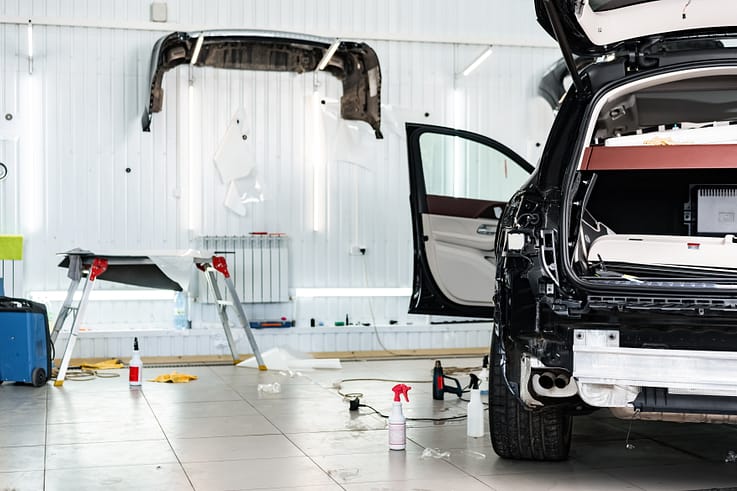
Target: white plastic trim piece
x,y
328,55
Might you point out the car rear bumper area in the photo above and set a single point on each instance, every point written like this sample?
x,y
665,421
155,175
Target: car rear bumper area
x,y
653,380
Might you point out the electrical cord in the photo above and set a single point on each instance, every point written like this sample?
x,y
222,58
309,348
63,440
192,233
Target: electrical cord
x,y
79,374
449,418
351,395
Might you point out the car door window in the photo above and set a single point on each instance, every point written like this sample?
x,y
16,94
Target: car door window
x,y
457,167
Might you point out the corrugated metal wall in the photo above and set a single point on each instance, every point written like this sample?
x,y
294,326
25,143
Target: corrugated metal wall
x,y
83,174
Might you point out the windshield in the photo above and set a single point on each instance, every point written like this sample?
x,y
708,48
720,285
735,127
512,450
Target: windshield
x,y
601,5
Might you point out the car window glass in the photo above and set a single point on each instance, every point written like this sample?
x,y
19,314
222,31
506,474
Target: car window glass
x,y
461,168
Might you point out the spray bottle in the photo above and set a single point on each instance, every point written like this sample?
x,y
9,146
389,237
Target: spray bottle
x,y
475,410
397,421
484,376
135,367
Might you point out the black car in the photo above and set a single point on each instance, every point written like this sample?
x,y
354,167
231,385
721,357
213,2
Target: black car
x,y
610,269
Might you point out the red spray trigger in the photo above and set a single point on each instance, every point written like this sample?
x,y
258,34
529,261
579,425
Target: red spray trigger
x,y
401,389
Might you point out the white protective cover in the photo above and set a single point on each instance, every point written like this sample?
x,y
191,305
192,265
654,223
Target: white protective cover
x,y
711,135
714,252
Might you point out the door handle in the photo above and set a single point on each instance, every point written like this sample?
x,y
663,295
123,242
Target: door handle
x,y
486,230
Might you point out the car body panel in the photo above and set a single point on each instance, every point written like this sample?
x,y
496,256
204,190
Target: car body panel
x,y
460,182
595,28
355,64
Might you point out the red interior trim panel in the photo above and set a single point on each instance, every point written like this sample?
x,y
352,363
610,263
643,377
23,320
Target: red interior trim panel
x,y
719,156
461,207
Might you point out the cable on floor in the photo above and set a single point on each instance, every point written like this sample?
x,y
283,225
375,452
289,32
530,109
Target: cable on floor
x,y
83,374
449,418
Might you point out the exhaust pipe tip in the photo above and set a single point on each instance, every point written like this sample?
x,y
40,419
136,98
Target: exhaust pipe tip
x,y
562,381
546,380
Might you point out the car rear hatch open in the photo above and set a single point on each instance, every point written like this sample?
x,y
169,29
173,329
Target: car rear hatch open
x,y
597,27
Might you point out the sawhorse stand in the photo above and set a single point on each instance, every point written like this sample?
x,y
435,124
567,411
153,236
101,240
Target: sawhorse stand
x,y
94,267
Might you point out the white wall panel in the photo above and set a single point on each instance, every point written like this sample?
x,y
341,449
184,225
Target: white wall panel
x,y
78,130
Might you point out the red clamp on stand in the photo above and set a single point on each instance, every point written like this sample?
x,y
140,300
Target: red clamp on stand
x,y
218,262
99,266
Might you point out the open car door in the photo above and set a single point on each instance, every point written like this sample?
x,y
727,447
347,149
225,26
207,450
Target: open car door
x,y
459,183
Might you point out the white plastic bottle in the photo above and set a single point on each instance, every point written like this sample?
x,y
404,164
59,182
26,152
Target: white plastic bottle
x,y
484,377
397,421
475,419
135,367
180,311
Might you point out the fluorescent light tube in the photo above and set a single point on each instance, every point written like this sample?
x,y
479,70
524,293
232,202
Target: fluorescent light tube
x,y
106,295
352,292
29,32
328,55
478,61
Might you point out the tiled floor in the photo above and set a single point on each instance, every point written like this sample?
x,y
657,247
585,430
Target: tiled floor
x,y
221,433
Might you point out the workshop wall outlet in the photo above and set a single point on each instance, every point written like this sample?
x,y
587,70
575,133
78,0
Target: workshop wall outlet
x,y
357,250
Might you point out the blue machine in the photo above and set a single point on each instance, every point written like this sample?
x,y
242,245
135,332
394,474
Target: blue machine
x,y
25,344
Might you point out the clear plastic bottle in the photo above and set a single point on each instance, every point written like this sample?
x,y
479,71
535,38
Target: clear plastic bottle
x,y
180,311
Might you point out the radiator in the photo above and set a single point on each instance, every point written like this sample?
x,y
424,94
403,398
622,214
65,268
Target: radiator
x,y
11,273
259,266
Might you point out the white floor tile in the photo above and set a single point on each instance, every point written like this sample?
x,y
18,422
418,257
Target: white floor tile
x,y
460,484
188,410
234,448
256,473
692,475
108,454
159,477
218,426
22,459
17,435
386,466
549,481
22,481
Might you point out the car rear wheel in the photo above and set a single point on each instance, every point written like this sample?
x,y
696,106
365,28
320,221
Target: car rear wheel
x,y
518,433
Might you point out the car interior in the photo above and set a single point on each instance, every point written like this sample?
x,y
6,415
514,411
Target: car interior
x,y
649,186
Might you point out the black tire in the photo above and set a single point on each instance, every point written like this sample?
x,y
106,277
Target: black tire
x,y
38,377
518,433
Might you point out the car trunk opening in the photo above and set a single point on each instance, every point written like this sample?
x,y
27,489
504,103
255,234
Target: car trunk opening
x,y
655,194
